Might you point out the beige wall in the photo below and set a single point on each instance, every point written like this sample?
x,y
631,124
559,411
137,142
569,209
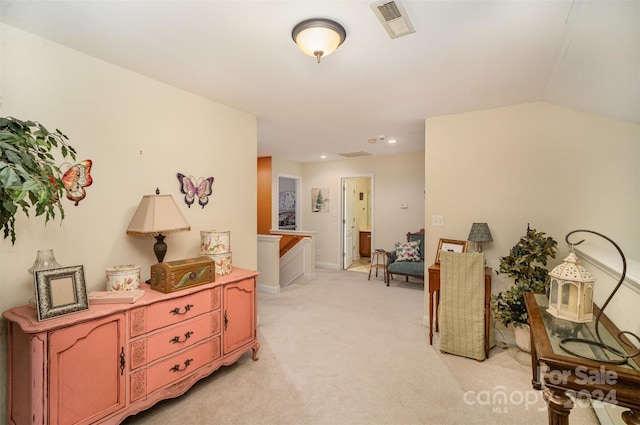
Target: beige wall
x,y
556,168
139,134
395,179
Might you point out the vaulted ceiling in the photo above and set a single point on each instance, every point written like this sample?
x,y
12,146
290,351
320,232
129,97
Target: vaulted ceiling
x,y
463,56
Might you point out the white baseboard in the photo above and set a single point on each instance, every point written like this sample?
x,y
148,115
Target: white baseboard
x,y
332,266
269,289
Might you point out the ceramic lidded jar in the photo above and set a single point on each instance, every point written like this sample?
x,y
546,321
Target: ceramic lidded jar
x,y
222,263
215,242
124,277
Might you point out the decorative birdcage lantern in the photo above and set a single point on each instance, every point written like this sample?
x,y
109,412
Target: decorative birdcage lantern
x,y
571,291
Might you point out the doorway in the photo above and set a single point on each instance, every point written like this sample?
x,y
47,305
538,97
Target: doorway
x,y
288,205
357,222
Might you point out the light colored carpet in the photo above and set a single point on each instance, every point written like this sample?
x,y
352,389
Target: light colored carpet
x,y
344,350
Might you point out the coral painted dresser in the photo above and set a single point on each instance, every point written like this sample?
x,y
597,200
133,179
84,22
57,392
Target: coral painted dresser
x,y
114,360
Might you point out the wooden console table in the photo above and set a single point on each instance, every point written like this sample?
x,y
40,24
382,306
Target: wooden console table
x,y
434,287
561,372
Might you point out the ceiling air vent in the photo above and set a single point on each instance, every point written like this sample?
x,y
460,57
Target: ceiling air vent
x,y
393,17
355,154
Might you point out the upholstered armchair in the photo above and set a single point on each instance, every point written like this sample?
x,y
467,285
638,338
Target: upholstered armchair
x,y
407,258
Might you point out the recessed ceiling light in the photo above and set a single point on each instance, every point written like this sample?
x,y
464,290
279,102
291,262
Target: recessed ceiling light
x,y
392,141
323,156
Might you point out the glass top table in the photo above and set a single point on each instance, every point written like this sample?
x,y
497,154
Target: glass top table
x,y
559,329
562,373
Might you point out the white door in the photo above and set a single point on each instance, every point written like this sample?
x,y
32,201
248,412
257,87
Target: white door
x,y
348,221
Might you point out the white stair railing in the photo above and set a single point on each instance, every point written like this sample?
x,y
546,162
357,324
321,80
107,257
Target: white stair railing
x,y
277,272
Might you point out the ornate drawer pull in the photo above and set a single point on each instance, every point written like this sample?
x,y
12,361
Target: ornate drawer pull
x,y
122,361
176,339
177,309
176,368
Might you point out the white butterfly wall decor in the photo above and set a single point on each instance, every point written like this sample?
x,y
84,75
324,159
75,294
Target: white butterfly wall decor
x,y
193,189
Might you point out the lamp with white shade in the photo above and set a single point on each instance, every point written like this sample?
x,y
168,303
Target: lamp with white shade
x,y
157,215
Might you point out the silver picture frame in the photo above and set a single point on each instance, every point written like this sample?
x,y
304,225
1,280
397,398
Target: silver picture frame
x,y
60,291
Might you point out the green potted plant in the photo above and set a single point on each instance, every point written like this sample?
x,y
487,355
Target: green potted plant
x,y
525,264
29,176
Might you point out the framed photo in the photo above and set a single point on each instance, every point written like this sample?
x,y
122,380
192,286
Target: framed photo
x,y
450,245
60,291
320,200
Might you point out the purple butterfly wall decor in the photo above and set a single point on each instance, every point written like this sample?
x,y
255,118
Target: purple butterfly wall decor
x,y
192,189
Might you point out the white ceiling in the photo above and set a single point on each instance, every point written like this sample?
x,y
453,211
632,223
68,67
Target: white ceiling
x,y
464,56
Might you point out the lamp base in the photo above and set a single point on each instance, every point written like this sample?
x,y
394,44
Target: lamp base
x,y
160,247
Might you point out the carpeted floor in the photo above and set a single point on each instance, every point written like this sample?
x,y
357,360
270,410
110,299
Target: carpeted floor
x,y
345,350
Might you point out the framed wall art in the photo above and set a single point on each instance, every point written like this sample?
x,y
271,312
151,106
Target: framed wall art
x,y
60,291
450,245
320,200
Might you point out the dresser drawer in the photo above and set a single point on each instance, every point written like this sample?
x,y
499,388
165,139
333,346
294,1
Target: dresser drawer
x,y
180,365
175,310
171,340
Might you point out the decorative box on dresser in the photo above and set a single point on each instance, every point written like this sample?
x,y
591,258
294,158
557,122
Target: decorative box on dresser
x,y
115,360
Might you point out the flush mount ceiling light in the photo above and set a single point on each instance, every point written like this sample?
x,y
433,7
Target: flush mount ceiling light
x,y
318,36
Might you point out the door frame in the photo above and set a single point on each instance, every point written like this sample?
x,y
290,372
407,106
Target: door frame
x,y
348,221
342,217
298,190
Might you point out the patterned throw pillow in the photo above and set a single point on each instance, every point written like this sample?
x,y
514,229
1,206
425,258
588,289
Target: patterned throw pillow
x,y
408,251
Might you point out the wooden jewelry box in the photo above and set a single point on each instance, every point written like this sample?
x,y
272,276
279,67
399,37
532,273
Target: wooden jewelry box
x,y
181,274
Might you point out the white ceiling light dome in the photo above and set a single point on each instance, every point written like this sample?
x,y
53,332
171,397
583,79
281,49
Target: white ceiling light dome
x,y
318,37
